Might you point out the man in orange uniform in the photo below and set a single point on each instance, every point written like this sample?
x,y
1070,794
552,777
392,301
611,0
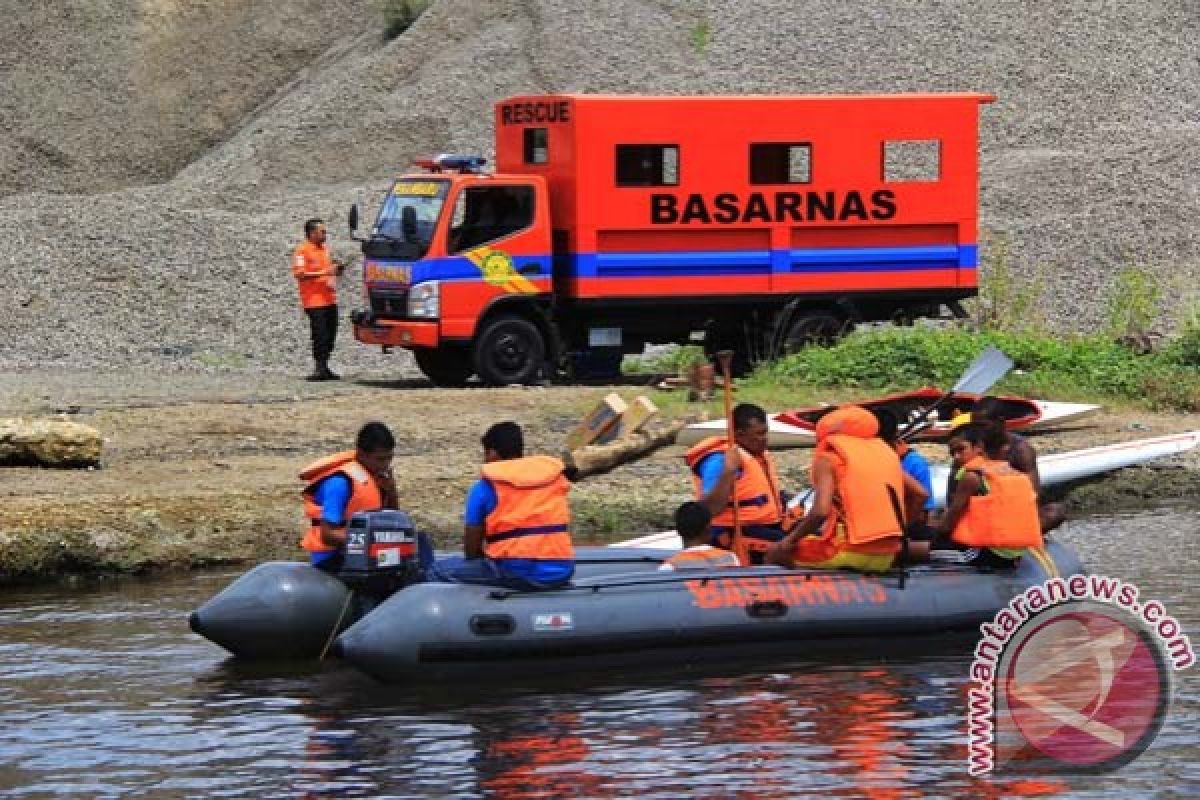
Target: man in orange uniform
x,y
316,277
993,514
517,531
744,474
861,498
343,484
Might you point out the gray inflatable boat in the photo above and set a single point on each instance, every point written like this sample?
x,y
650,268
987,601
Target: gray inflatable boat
x,y
443,631
290,610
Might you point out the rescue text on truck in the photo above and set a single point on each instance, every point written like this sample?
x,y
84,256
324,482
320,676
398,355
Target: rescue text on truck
x,y
758,223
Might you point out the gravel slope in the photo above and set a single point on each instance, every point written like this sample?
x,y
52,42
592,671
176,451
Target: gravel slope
x,y
265,118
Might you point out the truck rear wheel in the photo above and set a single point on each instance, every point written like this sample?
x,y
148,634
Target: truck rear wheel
x,y
815,326
445,367
509,350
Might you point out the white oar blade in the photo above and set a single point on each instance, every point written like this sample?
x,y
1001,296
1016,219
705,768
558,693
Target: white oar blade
x,y
984,372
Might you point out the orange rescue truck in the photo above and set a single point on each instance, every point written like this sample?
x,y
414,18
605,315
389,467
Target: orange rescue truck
x,y
753,223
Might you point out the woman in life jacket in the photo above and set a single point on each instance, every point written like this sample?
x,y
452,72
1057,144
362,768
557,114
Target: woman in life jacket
x,y
992,517
861,499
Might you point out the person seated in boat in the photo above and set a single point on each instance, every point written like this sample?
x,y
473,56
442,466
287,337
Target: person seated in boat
x,y
1021,455
743,474
913,463
693,523
861,499
339,486
516,523
992,517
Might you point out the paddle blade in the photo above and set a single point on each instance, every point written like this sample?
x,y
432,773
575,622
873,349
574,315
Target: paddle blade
x,y
989,367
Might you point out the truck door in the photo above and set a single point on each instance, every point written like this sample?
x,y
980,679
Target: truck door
x,y
502,229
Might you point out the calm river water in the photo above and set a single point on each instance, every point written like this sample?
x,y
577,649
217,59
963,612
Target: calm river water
x,y
104,692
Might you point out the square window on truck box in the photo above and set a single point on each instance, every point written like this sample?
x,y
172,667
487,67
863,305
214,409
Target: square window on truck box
x,y
781,163
537,145
912,161
647,165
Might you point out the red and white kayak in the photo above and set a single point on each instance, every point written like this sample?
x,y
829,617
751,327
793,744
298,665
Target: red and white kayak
x,y
795,428
1054,468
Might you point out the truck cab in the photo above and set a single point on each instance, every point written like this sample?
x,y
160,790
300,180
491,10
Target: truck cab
x,y
457,268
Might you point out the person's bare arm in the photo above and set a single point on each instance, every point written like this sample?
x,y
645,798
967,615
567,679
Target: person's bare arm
x,y
914,498
331,536
966,488
1024,458
473,541
783,552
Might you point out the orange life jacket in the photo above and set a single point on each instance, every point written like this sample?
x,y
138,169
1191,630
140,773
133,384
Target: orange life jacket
x,y
756,489
1007,516
318,291
868,488
531,518
364,495
703,558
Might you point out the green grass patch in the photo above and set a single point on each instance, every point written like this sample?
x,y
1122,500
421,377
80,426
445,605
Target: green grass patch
x,y
1058,367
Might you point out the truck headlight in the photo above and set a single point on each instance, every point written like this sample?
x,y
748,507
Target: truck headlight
x,y
423,300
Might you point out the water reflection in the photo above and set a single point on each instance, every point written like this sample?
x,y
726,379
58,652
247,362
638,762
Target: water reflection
x,y
104,693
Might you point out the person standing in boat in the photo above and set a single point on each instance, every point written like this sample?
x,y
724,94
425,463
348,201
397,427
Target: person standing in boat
x,y
1021,456
693,523
339,486
861,499
993,514
743,474
516,523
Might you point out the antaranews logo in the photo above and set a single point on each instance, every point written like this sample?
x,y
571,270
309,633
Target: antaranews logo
x,y
1073,675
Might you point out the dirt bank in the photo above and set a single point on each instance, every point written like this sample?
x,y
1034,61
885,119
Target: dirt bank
x,y
200,468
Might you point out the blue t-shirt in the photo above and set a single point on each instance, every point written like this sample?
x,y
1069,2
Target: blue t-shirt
x,y
332,495
709,469
917,466
481,501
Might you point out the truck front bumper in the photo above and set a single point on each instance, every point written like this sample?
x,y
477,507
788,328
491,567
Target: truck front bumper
x,y
394,332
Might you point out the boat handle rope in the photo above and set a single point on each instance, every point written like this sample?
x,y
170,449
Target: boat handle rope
x,y
337,624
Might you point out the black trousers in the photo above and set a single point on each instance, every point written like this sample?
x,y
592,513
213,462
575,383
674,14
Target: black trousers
x,y
323,325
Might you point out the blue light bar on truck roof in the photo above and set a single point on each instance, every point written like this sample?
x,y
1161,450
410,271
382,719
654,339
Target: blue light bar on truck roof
x,y
451,161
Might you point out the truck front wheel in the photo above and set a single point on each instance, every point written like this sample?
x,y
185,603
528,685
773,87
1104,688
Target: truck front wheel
x,y
445,367
509,350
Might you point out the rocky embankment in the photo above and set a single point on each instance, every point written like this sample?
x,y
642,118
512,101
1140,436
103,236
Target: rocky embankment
x,y
200,470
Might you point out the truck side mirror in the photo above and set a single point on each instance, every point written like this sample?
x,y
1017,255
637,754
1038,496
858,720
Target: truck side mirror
x,y
408,223
352,221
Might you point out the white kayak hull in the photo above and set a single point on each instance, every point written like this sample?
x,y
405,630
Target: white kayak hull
x,y
1055,468
781,435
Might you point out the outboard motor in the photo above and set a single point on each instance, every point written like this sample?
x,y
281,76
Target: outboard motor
x,y
381,552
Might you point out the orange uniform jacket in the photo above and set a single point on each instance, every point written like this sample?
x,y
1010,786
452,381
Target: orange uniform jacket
x,y
531,518
703,558
868,489
364,495
1007,516
756,490
320,290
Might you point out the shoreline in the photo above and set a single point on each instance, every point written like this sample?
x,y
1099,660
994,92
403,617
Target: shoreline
x,y
200,469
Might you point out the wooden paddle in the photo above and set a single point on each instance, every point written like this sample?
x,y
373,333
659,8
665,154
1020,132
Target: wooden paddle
x,y
725,358
981,375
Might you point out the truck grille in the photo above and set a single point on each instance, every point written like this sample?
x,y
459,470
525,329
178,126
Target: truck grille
x,y
392,304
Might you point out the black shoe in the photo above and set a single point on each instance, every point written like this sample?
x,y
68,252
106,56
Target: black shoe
x,y
327,374
316,376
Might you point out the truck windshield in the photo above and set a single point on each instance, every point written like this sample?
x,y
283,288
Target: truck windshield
x,y
388,238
